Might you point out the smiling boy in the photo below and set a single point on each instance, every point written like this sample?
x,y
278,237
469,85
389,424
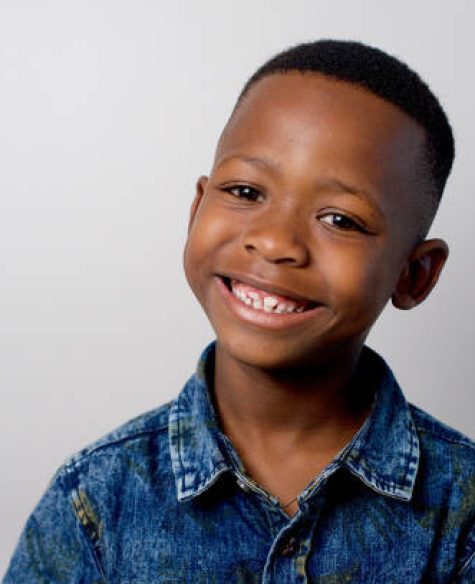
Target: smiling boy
x,y
291,455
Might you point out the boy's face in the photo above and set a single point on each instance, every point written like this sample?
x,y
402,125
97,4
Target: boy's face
x,y
303,230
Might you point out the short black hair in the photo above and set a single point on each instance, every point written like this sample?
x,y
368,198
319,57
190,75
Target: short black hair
x,y
385,76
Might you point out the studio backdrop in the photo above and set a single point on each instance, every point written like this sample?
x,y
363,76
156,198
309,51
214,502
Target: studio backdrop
x,y
109,111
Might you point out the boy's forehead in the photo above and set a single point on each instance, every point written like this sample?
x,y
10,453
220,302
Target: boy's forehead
x,y
308,105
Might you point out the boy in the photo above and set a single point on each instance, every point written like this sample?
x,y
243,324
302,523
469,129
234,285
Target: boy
x,y
291,455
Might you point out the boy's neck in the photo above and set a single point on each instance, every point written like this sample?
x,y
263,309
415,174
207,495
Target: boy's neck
x,y
295,402
288,425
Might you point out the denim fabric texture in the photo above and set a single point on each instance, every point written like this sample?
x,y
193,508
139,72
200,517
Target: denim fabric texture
x,y
166,499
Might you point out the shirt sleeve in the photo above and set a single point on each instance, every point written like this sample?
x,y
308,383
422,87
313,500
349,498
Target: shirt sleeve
x,y
53,548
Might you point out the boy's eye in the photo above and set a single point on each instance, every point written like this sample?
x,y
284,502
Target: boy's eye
x,y
341,221
243,192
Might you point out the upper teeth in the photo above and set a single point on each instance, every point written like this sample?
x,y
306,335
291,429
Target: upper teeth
x,y
266,303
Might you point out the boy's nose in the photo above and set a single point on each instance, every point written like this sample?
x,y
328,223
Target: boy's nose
x,y
278,241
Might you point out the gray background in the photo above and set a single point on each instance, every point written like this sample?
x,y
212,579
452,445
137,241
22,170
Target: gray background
x,y
109,110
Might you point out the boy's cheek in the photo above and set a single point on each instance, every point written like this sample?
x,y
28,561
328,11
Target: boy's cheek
x,y
210,234
358,292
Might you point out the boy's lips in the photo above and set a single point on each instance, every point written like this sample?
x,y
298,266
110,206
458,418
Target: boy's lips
x,y
265,305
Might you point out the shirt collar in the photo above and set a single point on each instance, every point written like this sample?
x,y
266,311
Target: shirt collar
x,y
384,454
197,452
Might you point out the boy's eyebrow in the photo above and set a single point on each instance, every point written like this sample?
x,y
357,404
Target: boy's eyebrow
x,y
327,183
250,160
338,185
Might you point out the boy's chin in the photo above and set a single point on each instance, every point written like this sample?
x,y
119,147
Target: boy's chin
x,y
268,356
271,353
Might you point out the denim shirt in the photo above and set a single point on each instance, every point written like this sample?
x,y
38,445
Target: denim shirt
x,y
166,499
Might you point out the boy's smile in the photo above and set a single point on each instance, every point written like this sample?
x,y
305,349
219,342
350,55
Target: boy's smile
x,y
265,305
303,230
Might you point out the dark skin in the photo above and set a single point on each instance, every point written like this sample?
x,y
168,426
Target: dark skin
x,y
314,196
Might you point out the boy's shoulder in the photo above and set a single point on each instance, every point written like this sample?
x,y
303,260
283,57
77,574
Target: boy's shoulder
x,y
447,456
129,439
432,430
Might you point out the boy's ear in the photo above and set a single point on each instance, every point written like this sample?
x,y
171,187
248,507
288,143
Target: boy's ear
x,y
420,273
200,189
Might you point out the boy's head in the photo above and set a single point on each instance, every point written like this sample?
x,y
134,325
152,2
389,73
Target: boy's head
x,y
325,181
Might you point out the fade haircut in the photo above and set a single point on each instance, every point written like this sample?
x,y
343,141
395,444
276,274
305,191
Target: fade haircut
x,y
388,78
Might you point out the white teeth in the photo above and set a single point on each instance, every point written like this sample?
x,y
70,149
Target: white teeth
x,y
257,304
270,302
267,304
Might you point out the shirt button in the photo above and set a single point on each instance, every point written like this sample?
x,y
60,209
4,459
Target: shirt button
x,y
289,548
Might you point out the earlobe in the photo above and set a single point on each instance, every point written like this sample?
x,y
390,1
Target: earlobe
x,y
420,273
200,190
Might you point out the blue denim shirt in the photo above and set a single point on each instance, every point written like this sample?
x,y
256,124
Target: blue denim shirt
x,y
166,499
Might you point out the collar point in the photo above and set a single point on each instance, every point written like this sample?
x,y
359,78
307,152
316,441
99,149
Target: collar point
x,y
402,491
186,492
